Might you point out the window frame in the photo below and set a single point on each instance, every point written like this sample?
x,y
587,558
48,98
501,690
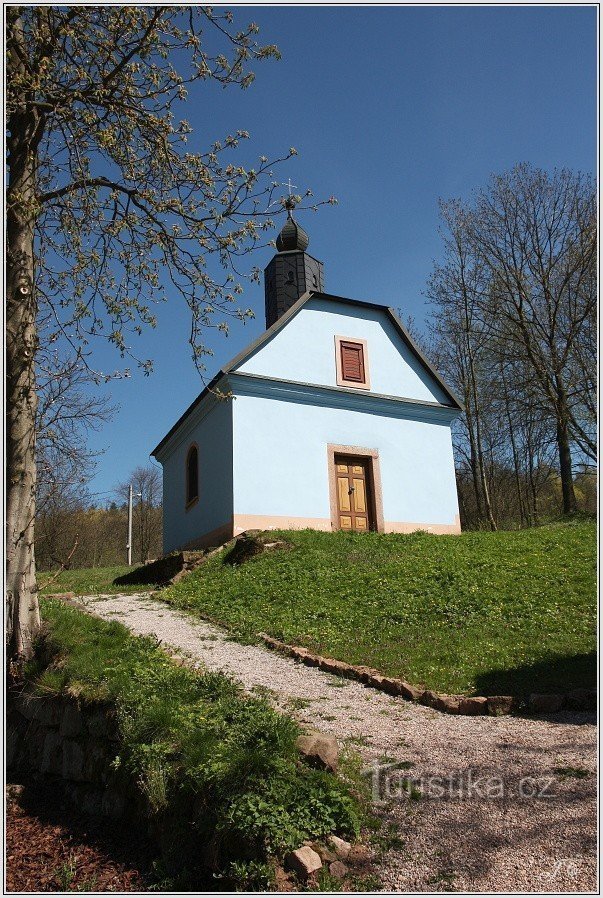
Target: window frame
x,y
188,503
341,381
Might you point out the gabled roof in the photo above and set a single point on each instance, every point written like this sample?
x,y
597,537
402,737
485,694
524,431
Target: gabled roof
x,y
280,323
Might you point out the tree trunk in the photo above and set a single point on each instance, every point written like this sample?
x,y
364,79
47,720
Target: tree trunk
x,y
478,442
532,476
23,617
510,424
565,465
473,459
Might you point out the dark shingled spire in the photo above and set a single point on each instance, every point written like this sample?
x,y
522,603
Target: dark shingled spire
x,y
292,272
292,237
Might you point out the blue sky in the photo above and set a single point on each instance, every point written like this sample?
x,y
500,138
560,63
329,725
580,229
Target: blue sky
x,y
390,108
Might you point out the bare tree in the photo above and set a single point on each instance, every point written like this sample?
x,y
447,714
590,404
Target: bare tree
x,y
147,514
455,289
536,235
514,329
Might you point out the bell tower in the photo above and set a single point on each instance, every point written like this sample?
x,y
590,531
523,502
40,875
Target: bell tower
x,y
292,272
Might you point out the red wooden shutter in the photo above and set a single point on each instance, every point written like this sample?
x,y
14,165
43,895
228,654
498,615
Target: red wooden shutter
x,y
352,361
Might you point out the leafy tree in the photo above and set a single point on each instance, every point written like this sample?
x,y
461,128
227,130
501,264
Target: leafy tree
x,y
107,201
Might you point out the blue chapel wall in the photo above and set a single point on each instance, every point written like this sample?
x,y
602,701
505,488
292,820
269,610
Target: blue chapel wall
x,y
304,351
281,469
213,435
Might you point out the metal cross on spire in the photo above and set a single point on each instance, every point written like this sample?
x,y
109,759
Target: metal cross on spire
x,y
290,201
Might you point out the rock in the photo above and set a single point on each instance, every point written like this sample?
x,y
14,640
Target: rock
x,y
475,705
411,693
98,724
92,803
338,869
582,700
448,704
73,761
500,704
330,665
359,854
46,712
545,703
250,544
304,862
52,754
14,791
25,704
113,804
364,674
340,847
31,749
96,763
319,749
71,722
325,854
429,698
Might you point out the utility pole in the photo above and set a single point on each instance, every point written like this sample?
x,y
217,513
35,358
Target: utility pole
x,y
129,544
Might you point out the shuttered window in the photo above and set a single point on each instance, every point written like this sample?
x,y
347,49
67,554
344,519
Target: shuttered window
x,y
352,361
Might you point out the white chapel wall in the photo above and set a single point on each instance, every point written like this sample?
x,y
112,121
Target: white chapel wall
x,y
281,469
213,436
304,351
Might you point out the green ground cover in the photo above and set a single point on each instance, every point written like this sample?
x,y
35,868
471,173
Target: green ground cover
x,y
479,613
197,735
87,581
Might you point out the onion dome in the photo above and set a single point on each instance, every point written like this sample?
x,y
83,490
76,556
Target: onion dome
x,y
292,237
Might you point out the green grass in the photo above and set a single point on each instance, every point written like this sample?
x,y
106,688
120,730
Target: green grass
x,y
196,737
479,613
88,581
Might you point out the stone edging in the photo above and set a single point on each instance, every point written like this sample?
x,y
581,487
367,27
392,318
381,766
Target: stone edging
x,y
495,705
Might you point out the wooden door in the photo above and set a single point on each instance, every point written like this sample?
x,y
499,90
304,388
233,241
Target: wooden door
x,y
354,496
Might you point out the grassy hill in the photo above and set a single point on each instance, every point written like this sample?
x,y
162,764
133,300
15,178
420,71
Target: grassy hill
x,y
481,613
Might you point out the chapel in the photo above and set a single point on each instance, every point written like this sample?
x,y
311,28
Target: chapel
x,y
334,420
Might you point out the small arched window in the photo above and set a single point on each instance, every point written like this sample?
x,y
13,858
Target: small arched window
x,y
192,475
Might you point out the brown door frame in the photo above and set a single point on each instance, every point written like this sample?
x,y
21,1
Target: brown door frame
x,y
371,456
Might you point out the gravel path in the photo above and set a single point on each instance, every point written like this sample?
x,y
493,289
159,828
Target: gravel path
x,y
501,804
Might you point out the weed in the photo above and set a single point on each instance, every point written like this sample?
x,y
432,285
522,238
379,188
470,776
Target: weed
x,y
576,772
264,692
387,839
250,876
325,882
297,703
66,872
357,740
368,883
444,878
